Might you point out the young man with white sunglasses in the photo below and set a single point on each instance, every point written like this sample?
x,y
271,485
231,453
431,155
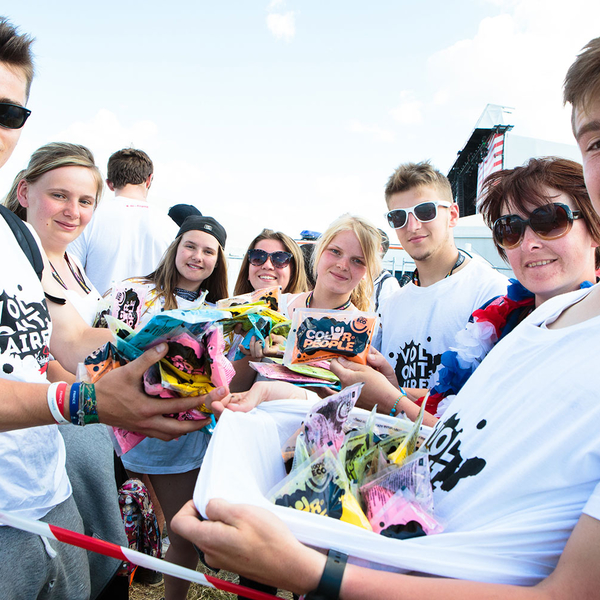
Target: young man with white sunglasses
x,y
420,321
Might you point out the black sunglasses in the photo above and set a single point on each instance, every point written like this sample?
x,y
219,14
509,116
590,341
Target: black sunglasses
x,y
13,116
279,259
424,212
549,222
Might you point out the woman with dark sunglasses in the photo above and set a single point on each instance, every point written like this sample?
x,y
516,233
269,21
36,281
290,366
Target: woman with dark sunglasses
x,y
545,226
273,258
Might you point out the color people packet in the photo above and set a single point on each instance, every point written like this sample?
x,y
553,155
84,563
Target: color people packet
x,y
325,334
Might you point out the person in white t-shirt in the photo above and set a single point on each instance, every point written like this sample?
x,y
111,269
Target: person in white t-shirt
x,y
419,322
521,507
127,235
33,478
385,284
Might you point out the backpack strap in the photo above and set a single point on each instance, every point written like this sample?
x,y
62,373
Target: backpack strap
x,y
25,239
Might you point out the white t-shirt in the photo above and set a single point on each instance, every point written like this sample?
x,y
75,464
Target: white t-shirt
x,y
152,455
516,458
86,306
125,238
418,324
33,479
385,286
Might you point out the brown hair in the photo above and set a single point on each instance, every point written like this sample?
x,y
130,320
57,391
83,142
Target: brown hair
x,y
414,175
128,166
166,276
582,82
370,242
15,50
48,158
297,281
524,186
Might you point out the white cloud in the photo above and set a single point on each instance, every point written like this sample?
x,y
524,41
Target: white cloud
x,y
282,26
409,111
275,3
379,134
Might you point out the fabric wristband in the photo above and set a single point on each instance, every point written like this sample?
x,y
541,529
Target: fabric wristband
x,y
56,400
74,403
88,412
331,580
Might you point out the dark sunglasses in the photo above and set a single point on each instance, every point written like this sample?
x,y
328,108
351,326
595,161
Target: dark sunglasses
x,y
424,212
279,259
13,116
548,222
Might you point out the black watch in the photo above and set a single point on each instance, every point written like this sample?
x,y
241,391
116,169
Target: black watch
x,y
331,580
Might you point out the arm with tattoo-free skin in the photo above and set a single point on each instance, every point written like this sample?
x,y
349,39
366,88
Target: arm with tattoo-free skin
x,y
121,402
253,542
378,390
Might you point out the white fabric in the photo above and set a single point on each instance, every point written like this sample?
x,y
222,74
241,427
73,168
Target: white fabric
x,y
418,324
386,286
33,479
514,463
125,238
86,306
151,455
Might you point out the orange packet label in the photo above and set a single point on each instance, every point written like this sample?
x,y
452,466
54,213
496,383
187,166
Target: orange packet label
x,y
325,334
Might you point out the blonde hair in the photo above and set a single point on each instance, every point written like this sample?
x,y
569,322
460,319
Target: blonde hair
x,y
414,175
297,281
369,239
48,158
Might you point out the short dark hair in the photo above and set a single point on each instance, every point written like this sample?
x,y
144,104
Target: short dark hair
x,y
524,186
129,167
15,50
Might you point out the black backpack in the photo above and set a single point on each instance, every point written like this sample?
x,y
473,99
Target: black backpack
x,y
25,240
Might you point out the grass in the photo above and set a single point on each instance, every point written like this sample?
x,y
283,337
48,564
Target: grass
x,y
197,592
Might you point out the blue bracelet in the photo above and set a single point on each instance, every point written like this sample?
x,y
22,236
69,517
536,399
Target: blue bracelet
x,y
402,395
74,403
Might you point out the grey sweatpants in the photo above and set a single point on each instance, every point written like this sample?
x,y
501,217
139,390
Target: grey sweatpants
x,y
27,571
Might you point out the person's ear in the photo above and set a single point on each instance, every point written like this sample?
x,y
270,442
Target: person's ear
x,y
110,185
23,193
149,180
454,214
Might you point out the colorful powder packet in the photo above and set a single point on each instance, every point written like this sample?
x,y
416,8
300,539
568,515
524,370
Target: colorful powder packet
x,y
402,496
319,485
269,296
325,334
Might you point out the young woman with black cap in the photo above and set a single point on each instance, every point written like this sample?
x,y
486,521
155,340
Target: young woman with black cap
x,y
193,263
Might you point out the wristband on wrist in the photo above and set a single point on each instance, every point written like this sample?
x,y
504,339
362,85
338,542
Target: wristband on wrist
x,y
74,403
331,580
88,412
56,400
394,407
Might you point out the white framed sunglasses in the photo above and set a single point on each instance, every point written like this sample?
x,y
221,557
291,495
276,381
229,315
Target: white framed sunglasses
x,y
423,212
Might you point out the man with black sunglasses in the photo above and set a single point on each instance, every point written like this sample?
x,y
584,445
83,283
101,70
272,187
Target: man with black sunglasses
x,y
33,478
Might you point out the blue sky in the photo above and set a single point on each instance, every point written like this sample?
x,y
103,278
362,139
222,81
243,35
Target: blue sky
x,y
285,114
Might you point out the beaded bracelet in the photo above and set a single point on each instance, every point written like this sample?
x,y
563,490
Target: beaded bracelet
x,y
402,395
74,403
56,400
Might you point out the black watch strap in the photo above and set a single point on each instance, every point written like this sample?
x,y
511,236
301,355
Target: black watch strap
x,y
331,580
